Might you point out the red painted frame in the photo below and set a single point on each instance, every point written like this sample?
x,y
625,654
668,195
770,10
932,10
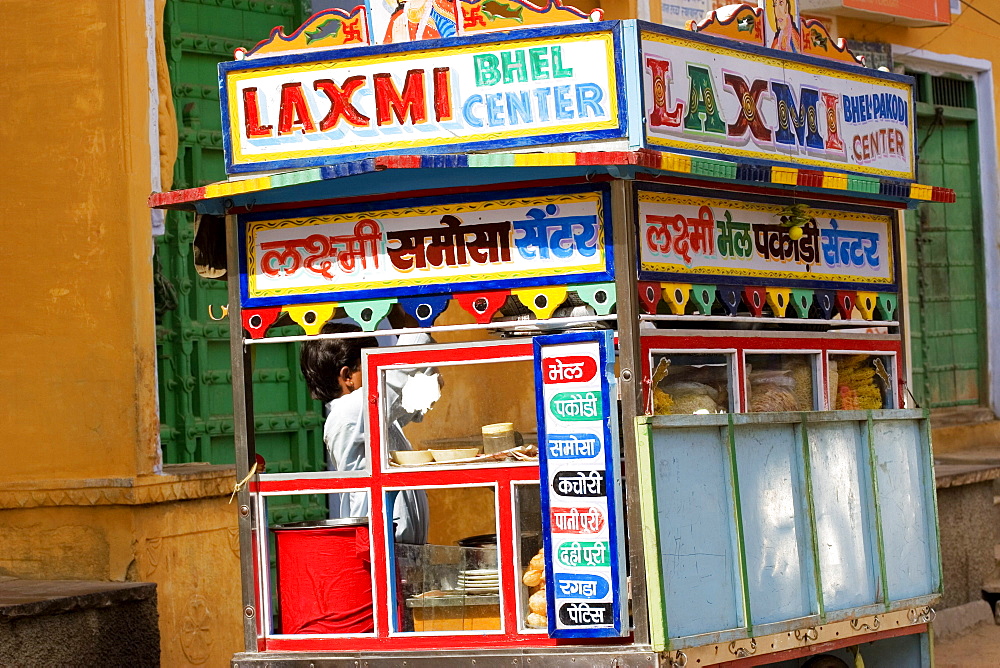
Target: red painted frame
x,y
379,478
748,342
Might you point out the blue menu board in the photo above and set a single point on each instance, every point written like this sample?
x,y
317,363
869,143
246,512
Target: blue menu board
x,y
580,484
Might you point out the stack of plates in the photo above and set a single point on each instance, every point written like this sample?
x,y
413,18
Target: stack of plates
x,y
484,581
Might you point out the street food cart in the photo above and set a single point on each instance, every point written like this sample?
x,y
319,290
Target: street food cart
x,y
656,407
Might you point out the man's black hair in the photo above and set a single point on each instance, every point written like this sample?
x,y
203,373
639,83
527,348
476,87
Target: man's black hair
x,y
322,359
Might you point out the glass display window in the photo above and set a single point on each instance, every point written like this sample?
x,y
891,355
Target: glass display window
x,y
702,372
531,559
446,579
317,571
695,382
473,412
862,381
781,381
449,542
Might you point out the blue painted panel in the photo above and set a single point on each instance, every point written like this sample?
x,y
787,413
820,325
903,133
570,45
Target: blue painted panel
x,y
903,652
775,523
844,527
911,651
908,532
695,513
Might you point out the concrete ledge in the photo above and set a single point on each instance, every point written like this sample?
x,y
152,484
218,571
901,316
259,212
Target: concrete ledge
x,y
78,623
33,598
179,482
956,621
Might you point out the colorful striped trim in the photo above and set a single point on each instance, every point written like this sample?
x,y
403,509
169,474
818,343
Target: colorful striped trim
x,y
644,158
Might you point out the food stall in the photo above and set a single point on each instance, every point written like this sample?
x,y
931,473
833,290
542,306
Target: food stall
x,y
626,307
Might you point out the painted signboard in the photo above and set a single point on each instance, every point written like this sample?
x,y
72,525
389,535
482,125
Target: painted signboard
x,y
427,246
703,97
699,239
580,484
490,91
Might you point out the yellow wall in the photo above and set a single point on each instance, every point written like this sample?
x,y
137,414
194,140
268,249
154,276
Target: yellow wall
x,y
80,496
77,386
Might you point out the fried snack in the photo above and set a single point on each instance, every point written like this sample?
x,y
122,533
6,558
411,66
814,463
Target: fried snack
x,y
772,392
832,382
662,402
689,397
536,603
857,377
536,621
534,579
801,374
534,576
847,399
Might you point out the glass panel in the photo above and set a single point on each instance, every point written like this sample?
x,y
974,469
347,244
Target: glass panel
x,y
780,382
470,413
861,382
322,581
452,582
531,594
685,383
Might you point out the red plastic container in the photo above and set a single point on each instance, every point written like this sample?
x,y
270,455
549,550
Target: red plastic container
x,y
324,577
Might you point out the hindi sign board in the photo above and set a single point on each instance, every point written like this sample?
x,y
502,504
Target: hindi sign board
x,y
752,103
580,484
436,245
533,87
682,237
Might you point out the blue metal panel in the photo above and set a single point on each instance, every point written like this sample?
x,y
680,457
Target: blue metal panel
x,y
907,515
633,101
912,651
847,551
702,590
775,524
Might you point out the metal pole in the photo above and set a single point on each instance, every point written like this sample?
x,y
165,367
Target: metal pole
x,y
623,222
243,434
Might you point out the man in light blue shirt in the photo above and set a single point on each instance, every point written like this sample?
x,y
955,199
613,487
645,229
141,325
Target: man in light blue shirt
x,y
332,369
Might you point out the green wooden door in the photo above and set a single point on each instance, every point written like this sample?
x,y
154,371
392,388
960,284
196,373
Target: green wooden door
x,y
196,412
944,252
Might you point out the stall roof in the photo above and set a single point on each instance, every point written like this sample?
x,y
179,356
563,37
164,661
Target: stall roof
x,y
366,177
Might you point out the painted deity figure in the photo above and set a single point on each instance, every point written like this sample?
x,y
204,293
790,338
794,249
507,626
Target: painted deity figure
x,y
421,19
781,16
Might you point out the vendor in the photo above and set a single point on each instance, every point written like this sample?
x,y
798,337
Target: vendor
x,y
332,370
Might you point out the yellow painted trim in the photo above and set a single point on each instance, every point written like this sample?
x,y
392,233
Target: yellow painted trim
x,y
866,303
834,181
673,162
676,306
786,175
544,159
